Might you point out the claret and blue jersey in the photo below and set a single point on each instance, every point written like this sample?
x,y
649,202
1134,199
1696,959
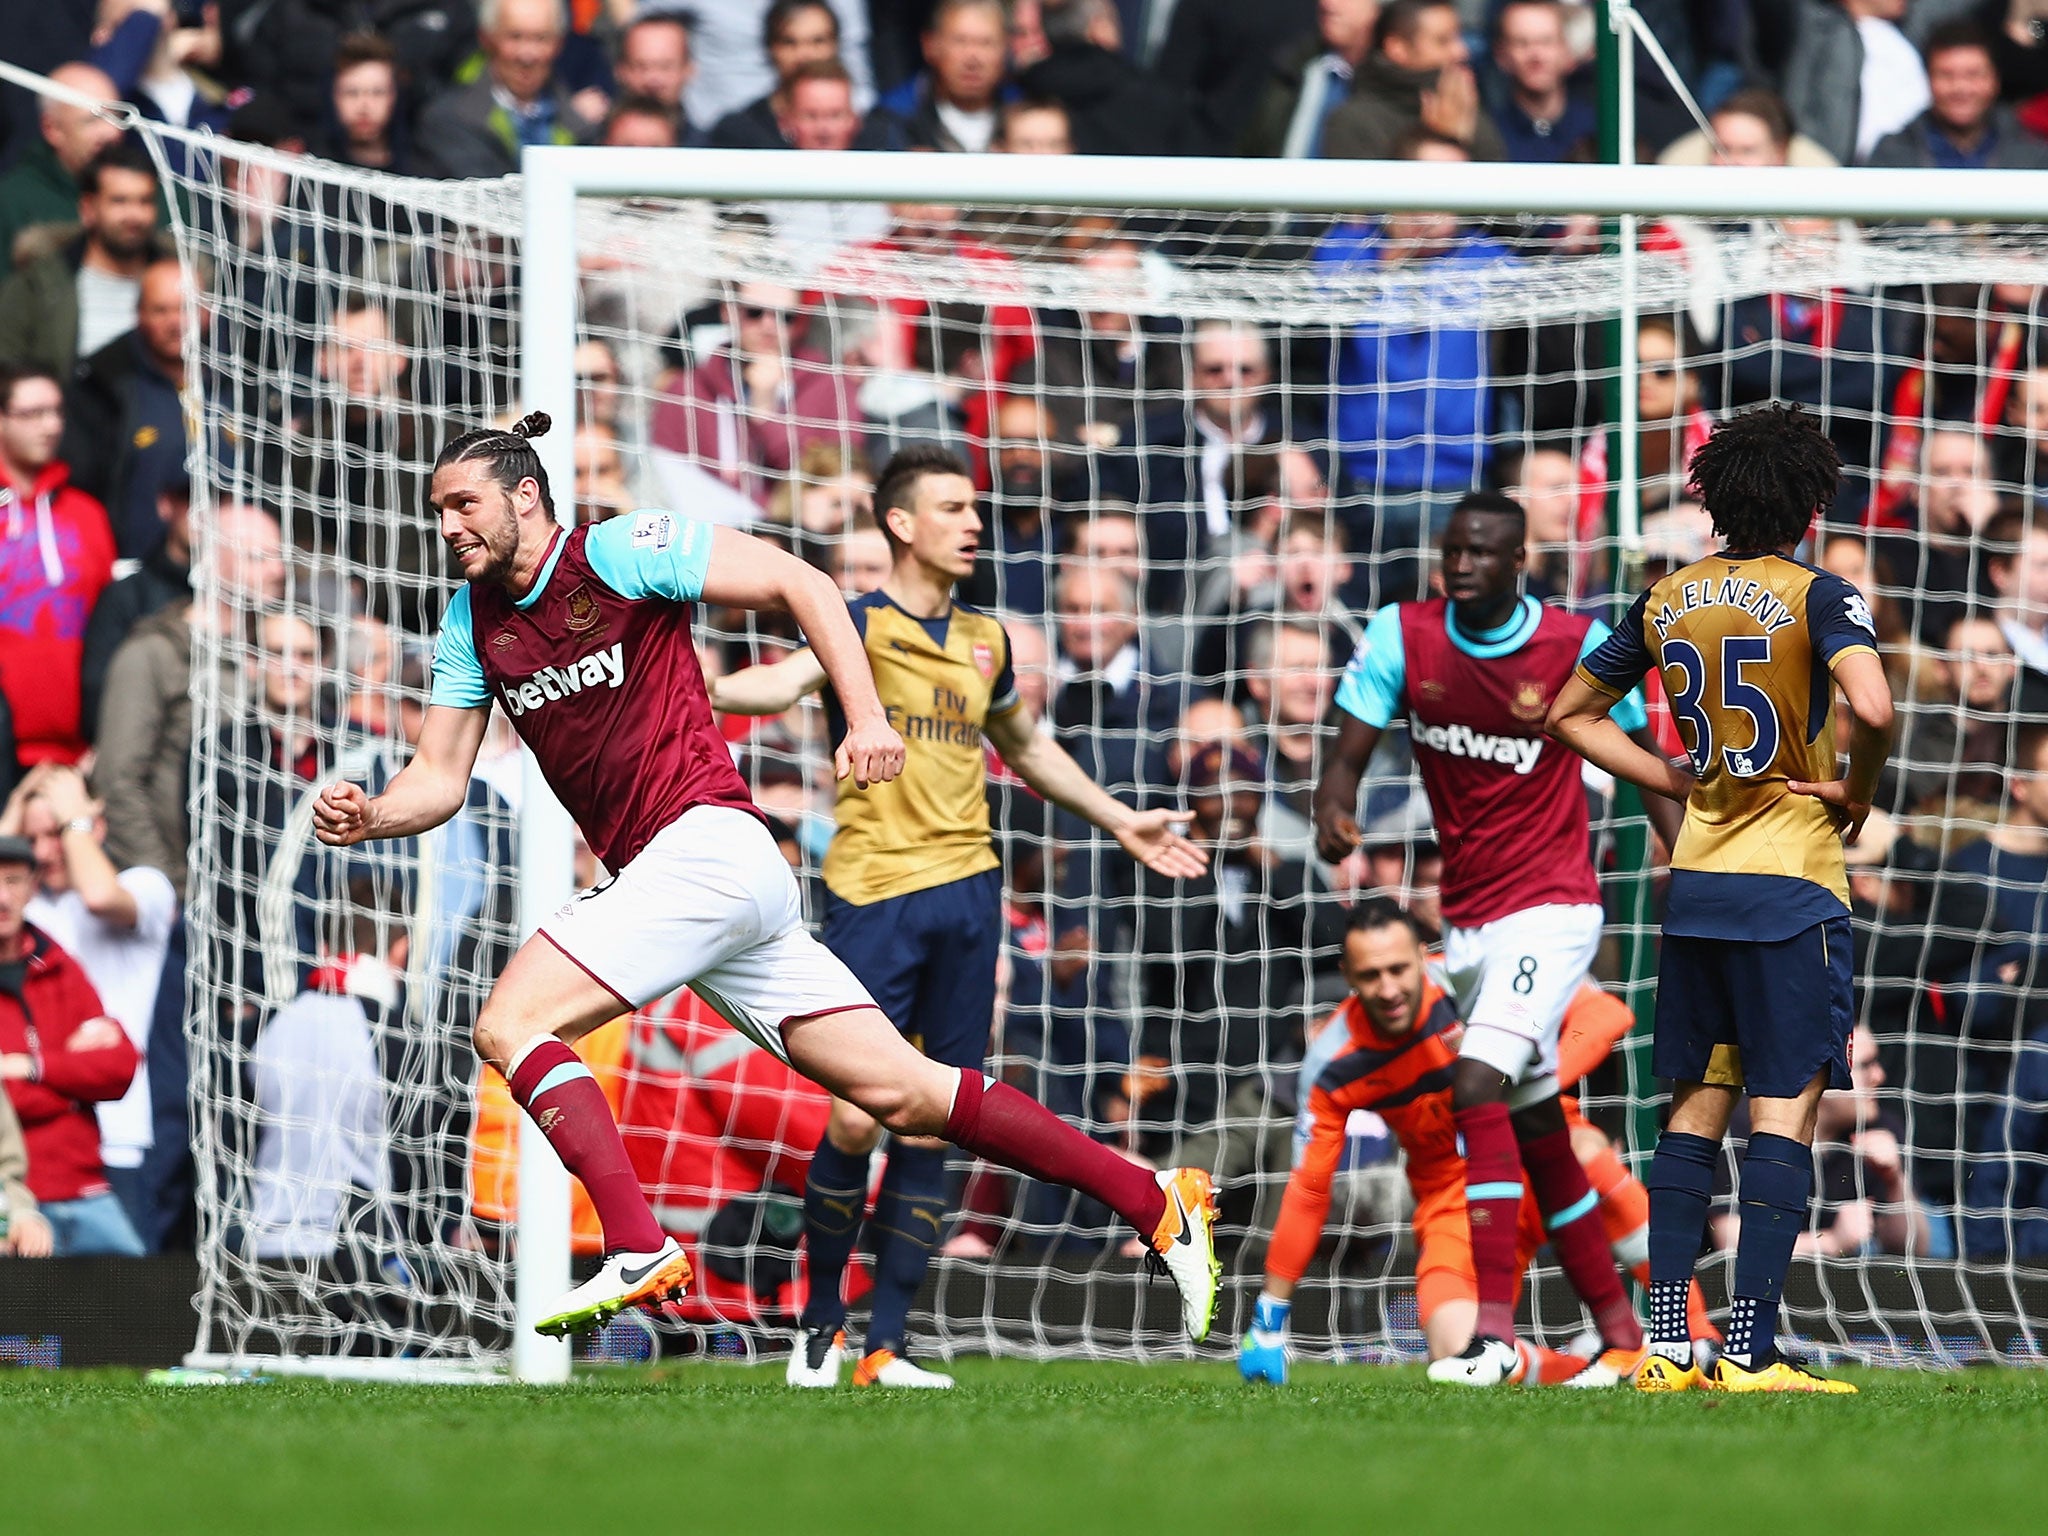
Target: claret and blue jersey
x,y
597,668
1374,687
1509,804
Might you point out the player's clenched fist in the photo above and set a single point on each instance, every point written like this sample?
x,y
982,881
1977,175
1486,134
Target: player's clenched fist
x,y
341,816
1337,835
869,754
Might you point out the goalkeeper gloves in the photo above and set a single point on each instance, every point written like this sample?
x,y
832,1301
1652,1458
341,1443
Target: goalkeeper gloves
x,y
1262,1353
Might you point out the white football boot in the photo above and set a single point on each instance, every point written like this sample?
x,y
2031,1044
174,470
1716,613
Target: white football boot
x,y
625,1280
817,1357
1484,1363
1186,1244
886,1368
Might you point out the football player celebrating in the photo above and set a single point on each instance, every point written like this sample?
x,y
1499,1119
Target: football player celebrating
x,y
915,891
1475,672
584,635
1754,990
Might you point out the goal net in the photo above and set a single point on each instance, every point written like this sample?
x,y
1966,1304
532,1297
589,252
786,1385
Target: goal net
x,y
1210,446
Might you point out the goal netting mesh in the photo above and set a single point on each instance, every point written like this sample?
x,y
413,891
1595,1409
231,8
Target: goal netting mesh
x,y
1210,447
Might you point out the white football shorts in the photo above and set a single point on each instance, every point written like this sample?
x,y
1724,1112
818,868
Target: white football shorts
x,y
709,904
1511,980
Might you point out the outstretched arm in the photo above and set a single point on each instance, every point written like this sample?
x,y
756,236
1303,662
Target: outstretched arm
x,y
1579,720
769,688
746,572
1305,1206
1045,765
426,792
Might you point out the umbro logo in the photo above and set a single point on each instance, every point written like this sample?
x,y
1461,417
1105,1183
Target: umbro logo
x,y
504,640
549,1119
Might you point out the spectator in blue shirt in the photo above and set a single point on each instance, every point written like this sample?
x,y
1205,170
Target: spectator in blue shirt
x,y
1540,120
1413,406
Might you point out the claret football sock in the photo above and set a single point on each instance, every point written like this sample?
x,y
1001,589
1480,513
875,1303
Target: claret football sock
x,y
1493,1206
910,1216
995,1121
1777,1182
551,1083
1571,1217
835,1195
1681,1183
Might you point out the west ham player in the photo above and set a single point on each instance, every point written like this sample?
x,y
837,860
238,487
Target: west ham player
x,y
1475,674
1754,988
584,637
915,892
1391,1049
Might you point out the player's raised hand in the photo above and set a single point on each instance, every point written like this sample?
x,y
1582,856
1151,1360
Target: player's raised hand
x,y
1849,815
869,754
1148,837
341,816
1337,835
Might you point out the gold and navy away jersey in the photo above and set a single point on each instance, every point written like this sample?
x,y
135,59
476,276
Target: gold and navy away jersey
x,y
940,681
1745,644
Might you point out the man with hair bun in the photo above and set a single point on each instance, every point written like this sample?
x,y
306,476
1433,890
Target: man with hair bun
x,y
584,636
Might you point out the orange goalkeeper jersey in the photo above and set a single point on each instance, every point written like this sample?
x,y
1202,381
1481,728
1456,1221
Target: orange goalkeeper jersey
x,y
1406,1081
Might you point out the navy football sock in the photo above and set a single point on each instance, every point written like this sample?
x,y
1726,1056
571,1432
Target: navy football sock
x,y
910,1215
835,1195
1681,1186
1777,1181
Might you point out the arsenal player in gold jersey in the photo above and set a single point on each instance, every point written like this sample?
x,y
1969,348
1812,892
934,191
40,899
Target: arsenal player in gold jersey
x,y
915,896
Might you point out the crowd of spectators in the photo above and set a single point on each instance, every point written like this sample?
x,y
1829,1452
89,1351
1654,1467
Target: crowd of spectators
x,y
1186,523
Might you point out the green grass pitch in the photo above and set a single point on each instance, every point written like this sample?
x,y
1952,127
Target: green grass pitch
x,y
724,1450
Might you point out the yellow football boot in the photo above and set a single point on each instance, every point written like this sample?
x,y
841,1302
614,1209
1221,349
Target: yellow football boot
x,y
1778,1376
1660,1373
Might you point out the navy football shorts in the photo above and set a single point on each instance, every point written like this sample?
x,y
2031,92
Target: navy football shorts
x,y
929,961
1762,1017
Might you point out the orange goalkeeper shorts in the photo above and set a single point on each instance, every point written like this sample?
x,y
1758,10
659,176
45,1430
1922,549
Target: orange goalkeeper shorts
x,y
1443,1251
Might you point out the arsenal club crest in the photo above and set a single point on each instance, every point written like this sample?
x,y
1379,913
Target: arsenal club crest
x,y
583,610
1531,703
984,660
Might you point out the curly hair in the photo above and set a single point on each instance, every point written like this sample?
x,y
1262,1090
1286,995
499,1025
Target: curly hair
x,y
1764,474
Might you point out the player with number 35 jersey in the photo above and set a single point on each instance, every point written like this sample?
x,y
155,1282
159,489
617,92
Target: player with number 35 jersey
x,y
1753,992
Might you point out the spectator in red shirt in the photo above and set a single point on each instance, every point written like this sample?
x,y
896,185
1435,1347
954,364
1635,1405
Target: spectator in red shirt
x,y
746,413
56,553
59,1056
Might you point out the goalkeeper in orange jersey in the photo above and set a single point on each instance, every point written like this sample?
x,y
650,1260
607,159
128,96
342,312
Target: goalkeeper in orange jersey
x,y
1395,1054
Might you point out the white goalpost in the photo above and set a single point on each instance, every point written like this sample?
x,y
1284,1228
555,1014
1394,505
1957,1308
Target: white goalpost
x,y
1045,318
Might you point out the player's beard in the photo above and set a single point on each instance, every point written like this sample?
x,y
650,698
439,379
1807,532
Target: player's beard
x,y
501,548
